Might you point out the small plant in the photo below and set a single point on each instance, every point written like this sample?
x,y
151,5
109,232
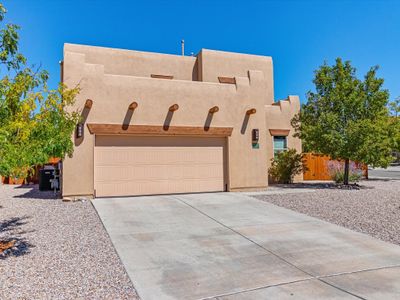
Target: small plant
x,y
336,171
285,165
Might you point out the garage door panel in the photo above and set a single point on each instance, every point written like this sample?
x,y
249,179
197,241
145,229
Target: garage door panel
x,y
157,166
158,172
162,155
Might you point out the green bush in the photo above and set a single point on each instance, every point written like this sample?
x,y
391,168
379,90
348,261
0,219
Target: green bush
x,y
285,165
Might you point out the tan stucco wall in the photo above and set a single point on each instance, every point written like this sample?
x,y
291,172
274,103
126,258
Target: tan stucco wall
x,y
220,63
114,78
278,116
136,63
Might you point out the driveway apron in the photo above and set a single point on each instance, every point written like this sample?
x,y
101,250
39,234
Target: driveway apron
x,y
232,246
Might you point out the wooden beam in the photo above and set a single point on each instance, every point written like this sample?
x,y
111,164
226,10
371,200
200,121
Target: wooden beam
x,y
251,111
133,106
173,107
88,104
162,76
279,132
230,80
155,130
213,109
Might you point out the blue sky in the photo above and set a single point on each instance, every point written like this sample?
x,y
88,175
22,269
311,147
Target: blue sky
x,y
299,35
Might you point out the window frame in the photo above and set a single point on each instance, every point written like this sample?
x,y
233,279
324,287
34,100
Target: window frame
x,y
285,144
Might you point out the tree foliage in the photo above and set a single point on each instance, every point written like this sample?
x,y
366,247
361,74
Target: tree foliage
x,y
347,118
34,124
394,107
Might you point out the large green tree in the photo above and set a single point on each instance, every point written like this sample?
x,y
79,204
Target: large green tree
x,y
347,118
34,124
394,107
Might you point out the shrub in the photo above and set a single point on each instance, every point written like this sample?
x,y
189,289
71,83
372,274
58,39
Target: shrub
x,y
336,171
285,165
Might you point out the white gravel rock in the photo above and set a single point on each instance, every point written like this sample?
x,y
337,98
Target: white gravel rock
x,y
62,250
373,208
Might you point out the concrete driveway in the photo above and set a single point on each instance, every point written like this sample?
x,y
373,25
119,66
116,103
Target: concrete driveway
x,y
232,246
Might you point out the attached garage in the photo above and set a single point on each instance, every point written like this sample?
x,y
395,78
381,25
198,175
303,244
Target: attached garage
x,y
143,165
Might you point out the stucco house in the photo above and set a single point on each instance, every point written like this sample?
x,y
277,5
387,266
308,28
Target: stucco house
x,y
158,123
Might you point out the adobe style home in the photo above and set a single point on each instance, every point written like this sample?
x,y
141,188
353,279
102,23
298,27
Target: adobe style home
x,y
159,124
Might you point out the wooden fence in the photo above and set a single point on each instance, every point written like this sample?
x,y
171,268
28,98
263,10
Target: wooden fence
x,y
317,166
34,178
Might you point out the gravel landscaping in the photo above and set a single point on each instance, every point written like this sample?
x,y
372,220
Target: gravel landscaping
x,y
373,208
61,250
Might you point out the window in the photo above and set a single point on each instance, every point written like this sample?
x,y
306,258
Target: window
x,y
280,144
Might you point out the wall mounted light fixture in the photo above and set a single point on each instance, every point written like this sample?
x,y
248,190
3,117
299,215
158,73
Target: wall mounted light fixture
x,y
79,130
255,136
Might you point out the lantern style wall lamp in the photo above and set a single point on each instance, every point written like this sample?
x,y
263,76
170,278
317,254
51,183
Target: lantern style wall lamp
x,y
79,127
255,135
79,130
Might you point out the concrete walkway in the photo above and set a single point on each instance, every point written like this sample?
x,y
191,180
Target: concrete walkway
x,y
232,246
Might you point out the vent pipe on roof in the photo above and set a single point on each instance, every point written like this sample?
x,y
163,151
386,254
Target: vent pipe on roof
x,y
183,47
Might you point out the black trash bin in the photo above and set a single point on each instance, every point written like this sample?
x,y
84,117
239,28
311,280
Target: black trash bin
x,y
45,175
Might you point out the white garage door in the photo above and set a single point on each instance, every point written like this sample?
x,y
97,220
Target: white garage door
x,y
130,165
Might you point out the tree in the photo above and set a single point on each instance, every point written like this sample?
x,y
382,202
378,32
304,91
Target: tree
x,y
34,122
394,107
346,118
